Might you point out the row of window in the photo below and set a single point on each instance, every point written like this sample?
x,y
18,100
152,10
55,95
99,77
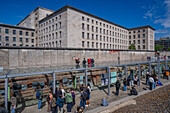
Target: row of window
x,y
51,36
103,24
103,45
7,31
134,42
103,31
50,28
51,44
7,44
50,21
14,39
103,38
139,36
137,31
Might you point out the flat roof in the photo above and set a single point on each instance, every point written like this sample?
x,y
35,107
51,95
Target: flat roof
x,y
33,12
16,27
142,27
67,6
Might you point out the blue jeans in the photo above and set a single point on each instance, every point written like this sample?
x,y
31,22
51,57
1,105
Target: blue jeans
x,y
146,81
125,87
131,83
154,85
69,107
39,103
13,110
82,103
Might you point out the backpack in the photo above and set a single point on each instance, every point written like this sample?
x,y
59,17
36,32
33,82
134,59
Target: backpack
x,y
85,96
38,94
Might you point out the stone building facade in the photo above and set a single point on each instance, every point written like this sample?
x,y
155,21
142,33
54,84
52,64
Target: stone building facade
x,y
16,36
142,37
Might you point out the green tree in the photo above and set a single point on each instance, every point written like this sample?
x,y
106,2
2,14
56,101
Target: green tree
x,y
159,47
132,47
168,48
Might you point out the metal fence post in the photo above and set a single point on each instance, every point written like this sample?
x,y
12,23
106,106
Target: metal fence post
x,y
158,69
126,72
54,83
85,77
6,93
108,69
139,73
149,67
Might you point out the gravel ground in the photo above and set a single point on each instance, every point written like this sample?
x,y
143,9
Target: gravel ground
x,y
157,101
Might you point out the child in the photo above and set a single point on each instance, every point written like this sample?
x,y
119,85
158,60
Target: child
x,y
104,102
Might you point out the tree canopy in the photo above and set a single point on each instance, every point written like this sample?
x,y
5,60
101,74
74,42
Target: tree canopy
x,y
132,47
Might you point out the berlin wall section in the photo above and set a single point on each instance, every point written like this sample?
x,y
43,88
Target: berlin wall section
x,y
23,58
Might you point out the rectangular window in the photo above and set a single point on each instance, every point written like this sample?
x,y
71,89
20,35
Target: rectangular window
x,y
96,45
14,39
87,19
138,47
134,36
143,35
92,44
14,32
82,17
138,41
20,32
83,26
7,44
7,38
92,36
26,33
143,30
129,42
82,34
92,28
96,29
129,37
143,46
133,31
134,42
88,36
60,34
7,31
60,25
87,27
88,44
0,38
32,34
0,30
27,40
138,36
20,39
96,37
138,31
100,38
100,45
143,41
92,21
129,32
14,44
82,43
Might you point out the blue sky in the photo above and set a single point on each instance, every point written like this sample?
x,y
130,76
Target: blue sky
x,y
128,13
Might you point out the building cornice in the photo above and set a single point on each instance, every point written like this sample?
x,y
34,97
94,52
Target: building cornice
x,y
16,27
135,28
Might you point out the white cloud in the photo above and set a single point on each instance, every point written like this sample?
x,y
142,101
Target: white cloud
x,y
161,31
149,14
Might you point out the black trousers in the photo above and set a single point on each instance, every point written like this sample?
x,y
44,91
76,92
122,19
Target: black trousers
x,y
150,84
117,91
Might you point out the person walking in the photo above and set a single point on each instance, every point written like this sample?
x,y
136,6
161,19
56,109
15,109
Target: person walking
x,y
63,94
147,78
83,98
89,89
167,74
49,100
13,103
117,87
151,81
69,100
39,96
60,103
73,93
53,104
125,84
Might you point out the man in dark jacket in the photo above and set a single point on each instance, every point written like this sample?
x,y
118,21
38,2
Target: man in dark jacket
x,y
117,87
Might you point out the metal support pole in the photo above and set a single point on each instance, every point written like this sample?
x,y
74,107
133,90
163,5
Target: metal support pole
x,y
108,69
149,67
85,77
139,73
6,93
54,86
158,69
126,72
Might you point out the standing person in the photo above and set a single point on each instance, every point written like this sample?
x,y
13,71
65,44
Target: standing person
x,y
84,97
39,96
58,92
13,103
87,92
84,62
89,61
69,100
49,100
147,78
135,80
117,87
125,83
167,74
73,93
53,104
155,79
63,93
151,81
130,81
82,87
60,103
89,88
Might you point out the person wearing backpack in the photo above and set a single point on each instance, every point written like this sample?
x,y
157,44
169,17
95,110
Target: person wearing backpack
x,y
60,103
39,97
133,91
69,100
73,93
125,84
117,87
84,97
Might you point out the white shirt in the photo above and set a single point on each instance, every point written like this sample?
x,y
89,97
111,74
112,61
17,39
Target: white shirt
x,y
63,92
